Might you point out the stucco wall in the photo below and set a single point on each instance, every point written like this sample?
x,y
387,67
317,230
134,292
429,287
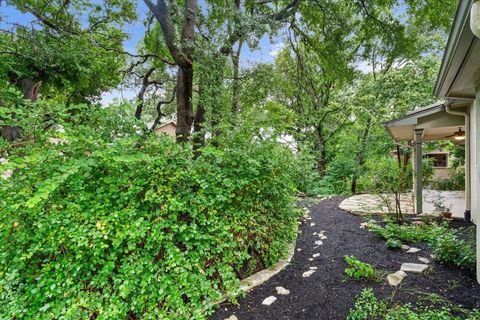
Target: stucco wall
x,y
168,129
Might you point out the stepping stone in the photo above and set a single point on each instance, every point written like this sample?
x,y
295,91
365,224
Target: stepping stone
x,y
401,273
405,247
282,291
308,273
313,268
424,260
232,317
319,242
316,255
413,250
269,300
394,279
413,267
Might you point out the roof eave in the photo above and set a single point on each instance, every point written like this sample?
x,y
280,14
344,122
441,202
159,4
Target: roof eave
x,y
459,23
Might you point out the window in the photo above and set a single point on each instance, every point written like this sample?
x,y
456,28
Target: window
x,y
440,160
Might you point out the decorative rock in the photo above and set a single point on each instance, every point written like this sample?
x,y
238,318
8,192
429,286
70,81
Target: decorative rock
x,y
313,268
308,273
394,279
419,223
424,260
312,224
322,237
363,225
432,256
413,250
316,255
299,249
405,247
282,290
269,300
310,259
232,317
401,273
319,242
413,267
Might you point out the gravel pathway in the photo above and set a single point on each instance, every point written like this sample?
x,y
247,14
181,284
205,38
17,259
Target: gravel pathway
x,y
317,283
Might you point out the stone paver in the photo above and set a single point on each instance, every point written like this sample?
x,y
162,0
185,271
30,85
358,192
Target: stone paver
x,y
424,260
269,300
282,291
413,267
413,250
394,279
232,317
308,273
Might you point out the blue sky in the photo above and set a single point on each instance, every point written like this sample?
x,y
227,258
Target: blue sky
x,y
265,52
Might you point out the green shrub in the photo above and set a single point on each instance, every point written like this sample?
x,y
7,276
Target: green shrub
x,y
132,227
367,306
444,241
358,269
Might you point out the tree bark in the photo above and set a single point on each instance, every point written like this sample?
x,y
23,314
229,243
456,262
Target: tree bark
x,y
360,158
184,103
322,153
30,89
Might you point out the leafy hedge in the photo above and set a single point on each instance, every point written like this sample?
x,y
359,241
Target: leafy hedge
x,y
128,228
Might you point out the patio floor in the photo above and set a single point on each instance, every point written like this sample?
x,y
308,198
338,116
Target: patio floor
x,y
373,204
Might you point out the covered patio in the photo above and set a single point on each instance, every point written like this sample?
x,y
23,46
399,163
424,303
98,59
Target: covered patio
x,y
439,121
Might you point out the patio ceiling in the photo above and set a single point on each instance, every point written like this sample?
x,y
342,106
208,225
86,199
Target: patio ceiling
x,y
436,123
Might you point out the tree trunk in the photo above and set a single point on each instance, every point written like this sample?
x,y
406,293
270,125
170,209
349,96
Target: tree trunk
x,y
30,89
236,84
322,154
360,159
184,103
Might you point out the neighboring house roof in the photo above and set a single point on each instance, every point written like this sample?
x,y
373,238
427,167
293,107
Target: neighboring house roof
x,y
459,72
166,124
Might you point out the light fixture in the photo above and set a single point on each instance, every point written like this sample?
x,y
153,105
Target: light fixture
x,y
459,135
475,18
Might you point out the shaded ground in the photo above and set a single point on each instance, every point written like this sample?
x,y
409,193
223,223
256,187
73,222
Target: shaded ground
x,y
327,294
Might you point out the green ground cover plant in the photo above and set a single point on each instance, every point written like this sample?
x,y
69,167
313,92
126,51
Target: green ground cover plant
x,y
108,225
368,306
447,245
358,269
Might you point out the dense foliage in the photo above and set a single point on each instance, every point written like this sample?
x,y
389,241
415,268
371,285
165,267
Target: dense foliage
x,y
110,225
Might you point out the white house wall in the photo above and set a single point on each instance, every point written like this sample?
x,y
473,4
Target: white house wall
x,y
475,151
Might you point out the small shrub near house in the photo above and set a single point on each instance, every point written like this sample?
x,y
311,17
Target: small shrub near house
x,y
447,244
368,306
116,226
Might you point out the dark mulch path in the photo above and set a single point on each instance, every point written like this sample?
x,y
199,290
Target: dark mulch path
x,y
327,294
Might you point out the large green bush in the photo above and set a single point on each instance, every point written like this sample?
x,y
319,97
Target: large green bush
x,y
111,225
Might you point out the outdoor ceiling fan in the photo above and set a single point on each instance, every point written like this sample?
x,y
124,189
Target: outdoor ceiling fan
x,y
458,135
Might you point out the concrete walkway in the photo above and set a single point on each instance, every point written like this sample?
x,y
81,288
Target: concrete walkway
x,y
364,204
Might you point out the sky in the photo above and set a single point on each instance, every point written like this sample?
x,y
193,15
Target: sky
x,y
265,52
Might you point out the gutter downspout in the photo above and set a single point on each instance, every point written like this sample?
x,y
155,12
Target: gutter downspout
x,y
468,196
475,18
